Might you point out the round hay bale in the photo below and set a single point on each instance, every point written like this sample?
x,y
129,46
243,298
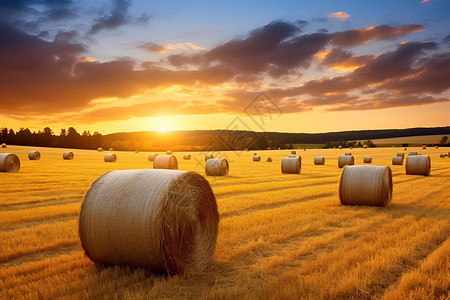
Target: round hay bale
x,y
424,147
151,157
366,185
136,151
351,148
365,146
208,156
217,167
255,153
319,160
9,162
34,155
110,157
348,153
410,153
256,158
291,165
397,160
100,149
293,152
401,154
437,147
292,155
418,165
367,160
269,159
68,155
345,160
340,147
443,155
187,156
169,152
4,145
165,162
110,149
164,220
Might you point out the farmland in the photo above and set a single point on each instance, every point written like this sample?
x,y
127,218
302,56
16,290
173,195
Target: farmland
x,y
280,235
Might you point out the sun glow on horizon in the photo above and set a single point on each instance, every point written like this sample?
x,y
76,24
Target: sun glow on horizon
x,y
163,124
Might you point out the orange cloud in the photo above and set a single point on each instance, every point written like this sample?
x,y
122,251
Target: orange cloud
x,y
164,48
339,15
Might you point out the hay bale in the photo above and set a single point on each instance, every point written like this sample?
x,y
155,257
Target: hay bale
x,y
443,155
397,160
292,155
151,157
291,165
208,156
187,156
405,149
165,162
401,154
345,160
217,167
293,152
256,158
412,153
68,155
348,153
340,147
350,148
100,149
169,152
4,145
367,160
110,149
366,185
418,165
365,146
448,155
34,155
436,147
163,220
269,159
424,147
9,162
110,157
319,160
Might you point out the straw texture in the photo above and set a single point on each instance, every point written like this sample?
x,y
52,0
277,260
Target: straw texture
x,y
68,155
401,154
187,156
319,160
291,165
367,160
9,162
165,162
110,157
217,167
397,160
366,185
34,155
164,220
208,156
418,165
151,157
345,160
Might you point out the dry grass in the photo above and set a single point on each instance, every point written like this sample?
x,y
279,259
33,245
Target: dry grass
x,y
280,235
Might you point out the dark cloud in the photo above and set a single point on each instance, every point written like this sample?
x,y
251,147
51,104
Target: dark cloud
x,y
364,35
344,59
153,47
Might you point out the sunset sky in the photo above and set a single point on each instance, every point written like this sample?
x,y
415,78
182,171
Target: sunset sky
x,y
136,65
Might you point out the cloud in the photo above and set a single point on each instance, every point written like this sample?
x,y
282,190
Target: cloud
x,y
426,1
356,37
339,15
164,48
344,60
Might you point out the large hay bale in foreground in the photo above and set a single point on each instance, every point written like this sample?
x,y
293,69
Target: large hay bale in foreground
x,y
418,165
9,162
401,154
319,160
256,157
164,220
186,156
208,156
217,167
34,155
411,153
365,185
367,160
345,160
165,162
151,157
68,155
110,157
291,165
397,160
4,145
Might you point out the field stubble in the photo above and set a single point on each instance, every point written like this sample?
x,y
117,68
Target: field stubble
x,y
280,235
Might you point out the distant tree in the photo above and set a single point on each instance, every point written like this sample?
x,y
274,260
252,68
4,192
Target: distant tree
x,y
63,132
369,143
359,144
444,140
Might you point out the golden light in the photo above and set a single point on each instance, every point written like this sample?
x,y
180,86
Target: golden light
x,y
163,124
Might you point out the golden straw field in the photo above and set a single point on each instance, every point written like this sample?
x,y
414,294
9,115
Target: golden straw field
x,y
281,236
